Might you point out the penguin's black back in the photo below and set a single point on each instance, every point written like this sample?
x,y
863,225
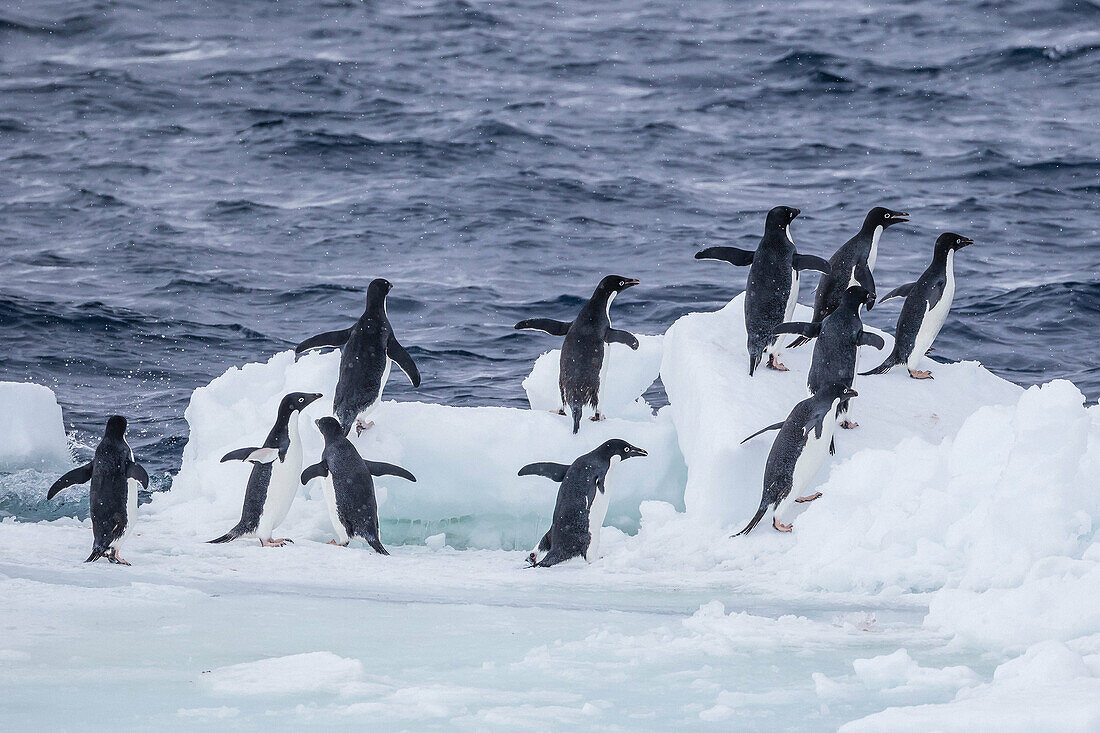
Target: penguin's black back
x,y
768,289
362,363
830,290
109,490
834,357
353,486
582,353
569,535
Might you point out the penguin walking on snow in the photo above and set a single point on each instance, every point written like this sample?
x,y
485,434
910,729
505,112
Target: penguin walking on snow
x,y
581,505
927,303
839,337
369,349
583,367
853,264
273,483
772,290
349,488
113,498
797,454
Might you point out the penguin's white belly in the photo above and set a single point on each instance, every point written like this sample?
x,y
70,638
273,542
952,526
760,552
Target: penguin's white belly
x,y
792,299
604,369
132,486
934,318
872,257
283,485
596,514
334,512
813,456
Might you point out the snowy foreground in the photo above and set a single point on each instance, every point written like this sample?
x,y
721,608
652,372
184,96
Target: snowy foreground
x,y
946,580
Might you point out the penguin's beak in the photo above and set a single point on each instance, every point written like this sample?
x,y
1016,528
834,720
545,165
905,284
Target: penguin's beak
x,y
851,393
966,242
637,452
313,398
630,282
899,217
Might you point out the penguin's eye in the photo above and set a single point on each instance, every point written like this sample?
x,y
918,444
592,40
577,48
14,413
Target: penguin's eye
x,y
958,241
888,216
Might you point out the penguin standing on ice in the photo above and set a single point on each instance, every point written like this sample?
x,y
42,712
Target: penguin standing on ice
x,y
369,349
584,363
772,290
581,505
113,498
349,488
853,263
273,483
839,337
797,454
927,303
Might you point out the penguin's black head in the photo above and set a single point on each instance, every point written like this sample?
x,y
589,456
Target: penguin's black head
x,y
857,294
616,284
880,216
952,242
116,427
378,290
329,427
622,449
298,401
780,217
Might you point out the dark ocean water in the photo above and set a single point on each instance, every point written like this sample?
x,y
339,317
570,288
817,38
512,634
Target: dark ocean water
x,y
186,187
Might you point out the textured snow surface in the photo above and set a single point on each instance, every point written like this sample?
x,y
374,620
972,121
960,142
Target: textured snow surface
x,y
946,579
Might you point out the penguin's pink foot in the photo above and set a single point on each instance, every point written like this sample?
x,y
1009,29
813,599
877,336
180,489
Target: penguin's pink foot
x,y
275,543
597,417
779,526
114,558
849,424
811,497
360,426
918,374
559,411
774,363
338,544
532,558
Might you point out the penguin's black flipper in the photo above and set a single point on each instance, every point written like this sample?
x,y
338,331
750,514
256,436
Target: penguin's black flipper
x,y
901,291
255,455
811,262
317,470
762,430
891,362
615,336
331,338
138,473
80,475
832,446
864,277
552,471
397,352
549,325
866,338
808,330
732,255
377,468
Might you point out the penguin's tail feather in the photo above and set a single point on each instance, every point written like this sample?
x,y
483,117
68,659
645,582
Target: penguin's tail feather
x,y
755,520
754,362
576,410
552,558
891,362
228,536
376,545
97,552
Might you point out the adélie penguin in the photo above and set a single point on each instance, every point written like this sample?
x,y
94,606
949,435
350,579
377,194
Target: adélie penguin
x,y
368,351
853,263
927,303
582,502
349,486
273,482
772,289
584,358
797,453
839,337
113,499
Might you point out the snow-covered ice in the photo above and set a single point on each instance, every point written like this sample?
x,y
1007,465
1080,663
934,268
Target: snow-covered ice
x,y
946,580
